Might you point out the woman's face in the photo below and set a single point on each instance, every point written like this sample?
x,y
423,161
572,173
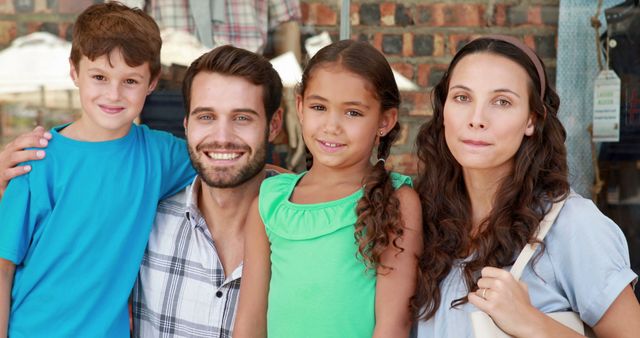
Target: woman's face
x,y
486,112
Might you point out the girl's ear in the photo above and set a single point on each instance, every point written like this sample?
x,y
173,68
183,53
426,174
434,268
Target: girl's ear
x,y
388,121
299,107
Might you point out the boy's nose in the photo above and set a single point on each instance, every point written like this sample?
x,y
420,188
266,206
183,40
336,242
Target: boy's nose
x,y
113,92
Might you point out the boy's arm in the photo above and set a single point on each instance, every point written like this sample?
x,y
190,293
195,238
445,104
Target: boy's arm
x,y
251,319
14,153
396,286
7,269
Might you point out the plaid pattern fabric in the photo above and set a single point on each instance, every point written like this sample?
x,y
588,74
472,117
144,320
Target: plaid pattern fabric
x,y
181,289
247,21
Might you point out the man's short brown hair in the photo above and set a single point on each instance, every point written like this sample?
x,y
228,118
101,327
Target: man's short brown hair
x,y
233,61
101,28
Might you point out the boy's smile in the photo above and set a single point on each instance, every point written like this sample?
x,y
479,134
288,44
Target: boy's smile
x,y
112,95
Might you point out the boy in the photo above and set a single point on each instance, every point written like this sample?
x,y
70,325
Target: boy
x,y
74,229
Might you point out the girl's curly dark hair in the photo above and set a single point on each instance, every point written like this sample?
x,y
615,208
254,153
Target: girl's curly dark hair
x,y
539,176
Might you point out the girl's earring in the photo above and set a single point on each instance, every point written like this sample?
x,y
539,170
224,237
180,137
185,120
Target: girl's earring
x,y
381,133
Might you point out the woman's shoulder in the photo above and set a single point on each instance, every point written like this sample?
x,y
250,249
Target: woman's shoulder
x,y
581,216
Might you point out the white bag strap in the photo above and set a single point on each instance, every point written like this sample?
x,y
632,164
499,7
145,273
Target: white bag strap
x,y
529,249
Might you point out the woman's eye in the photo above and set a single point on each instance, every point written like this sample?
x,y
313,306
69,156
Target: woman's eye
x,y
503,102
461,98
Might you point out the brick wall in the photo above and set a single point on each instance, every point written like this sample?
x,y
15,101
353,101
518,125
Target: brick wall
x,y
418,37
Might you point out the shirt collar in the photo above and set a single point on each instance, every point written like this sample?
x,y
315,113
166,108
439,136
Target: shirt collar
x,y
191,211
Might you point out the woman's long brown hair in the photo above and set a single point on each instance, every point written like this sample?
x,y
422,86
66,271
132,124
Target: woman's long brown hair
x,y
538,177
379,224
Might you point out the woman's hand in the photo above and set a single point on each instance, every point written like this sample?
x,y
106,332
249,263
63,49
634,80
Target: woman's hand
x,y
506,300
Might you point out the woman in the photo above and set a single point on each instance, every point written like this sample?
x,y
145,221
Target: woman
x,y
492,161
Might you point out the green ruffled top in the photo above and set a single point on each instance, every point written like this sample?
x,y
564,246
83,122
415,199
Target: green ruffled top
x,y
319,286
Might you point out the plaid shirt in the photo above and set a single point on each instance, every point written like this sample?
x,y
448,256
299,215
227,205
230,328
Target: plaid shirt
x,y
182,290
247,21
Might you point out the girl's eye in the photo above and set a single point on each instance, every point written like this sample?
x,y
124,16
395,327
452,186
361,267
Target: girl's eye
x,y
353,113
317,107
130,81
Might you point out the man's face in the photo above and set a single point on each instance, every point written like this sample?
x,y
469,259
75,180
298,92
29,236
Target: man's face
x,y
227,129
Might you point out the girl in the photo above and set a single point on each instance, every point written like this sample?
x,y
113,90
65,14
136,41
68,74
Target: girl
x,y
492,160
334,250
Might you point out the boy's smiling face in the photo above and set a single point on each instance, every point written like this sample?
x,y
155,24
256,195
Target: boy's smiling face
x,y
112,94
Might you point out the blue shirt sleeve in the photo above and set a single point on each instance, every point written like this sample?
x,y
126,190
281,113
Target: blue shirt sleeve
x,y
19,218
177,171
590,258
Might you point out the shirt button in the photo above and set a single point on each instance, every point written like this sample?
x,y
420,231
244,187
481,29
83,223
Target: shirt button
x,y
219,294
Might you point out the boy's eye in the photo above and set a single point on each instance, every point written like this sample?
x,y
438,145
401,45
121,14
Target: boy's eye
x,y
130,81
99,77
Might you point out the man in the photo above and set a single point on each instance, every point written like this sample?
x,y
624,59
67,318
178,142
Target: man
x,y
190,276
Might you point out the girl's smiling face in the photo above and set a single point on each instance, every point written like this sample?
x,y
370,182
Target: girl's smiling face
x,y
487,113
341,118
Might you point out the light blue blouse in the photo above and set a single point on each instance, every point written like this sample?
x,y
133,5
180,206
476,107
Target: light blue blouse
x,y
584,268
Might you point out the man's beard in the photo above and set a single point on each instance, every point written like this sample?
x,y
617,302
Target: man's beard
x,y
229,177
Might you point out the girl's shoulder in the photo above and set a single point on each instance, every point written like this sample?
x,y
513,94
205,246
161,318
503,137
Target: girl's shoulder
x,y
278,181
399,180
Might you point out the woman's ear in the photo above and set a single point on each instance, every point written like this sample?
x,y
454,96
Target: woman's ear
x,y
531,125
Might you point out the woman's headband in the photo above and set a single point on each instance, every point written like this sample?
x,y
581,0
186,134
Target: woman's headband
x,y
530,53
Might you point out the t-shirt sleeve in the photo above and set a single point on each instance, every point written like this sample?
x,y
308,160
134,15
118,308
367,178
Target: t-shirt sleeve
x,y
175,169
19,218
590,257
178,171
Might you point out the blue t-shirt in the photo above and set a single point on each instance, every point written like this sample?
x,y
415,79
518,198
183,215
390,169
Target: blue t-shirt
x,y
583,269
77,225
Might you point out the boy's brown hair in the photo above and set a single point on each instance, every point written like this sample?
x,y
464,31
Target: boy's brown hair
x,y
101,28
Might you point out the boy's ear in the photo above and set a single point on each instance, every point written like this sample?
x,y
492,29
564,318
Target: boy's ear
x,y
388,120
153,84
73,72
275,125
